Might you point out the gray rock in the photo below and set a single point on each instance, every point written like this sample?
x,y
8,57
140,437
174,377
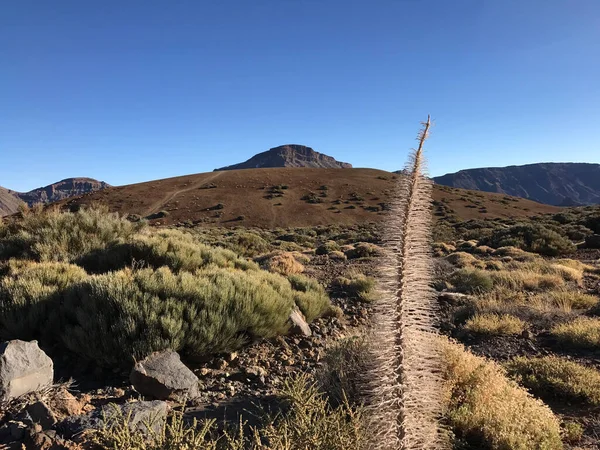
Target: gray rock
x,y
298,323
163,376
41,414
24,368
139,416
144,414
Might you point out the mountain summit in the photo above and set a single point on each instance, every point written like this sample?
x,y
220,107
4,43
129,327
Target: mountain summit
x,y
561,184
291,155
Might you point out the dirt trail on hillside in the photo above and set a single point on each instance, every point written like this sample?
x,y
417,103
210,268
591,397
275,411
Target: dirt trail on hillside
x,y
156,206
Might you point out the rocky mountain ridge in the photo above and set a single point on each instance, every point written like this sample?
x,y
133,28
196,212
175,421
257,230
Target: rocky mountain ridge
x,y
69,187
560,184
290,155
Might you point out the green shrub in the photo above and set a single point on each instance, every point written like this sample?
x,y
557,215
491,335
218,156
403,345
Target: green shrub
x,y
115,317
327,247
532,238
29,294
356,285
309,296
550,376
471,281
364,250
55,236
172,248
248,244
572,432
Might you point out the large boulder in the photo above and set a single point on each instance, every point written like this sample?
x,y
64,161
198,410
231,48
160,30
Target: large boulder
x,y
163,376
24,368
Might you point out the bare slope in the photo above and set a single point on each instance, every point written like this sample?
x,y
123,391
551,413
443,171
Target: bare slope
x,y
286,197
9,202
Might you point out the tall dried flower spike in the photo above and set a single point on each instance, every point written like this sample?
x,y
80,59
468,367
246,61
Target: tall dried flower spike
x,y
403,380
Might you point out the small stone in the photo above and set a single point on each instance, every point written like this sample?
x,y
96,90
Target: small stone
x,y
41,414
299,325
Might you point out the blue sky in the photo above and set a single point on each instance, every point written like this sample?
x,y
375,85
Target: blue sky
x,y
128,91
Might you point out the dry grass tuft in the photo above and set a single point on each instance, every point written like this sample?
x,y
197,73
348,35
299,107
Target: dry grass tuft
x,y
284,263
495,324
583,332
463,259
483,405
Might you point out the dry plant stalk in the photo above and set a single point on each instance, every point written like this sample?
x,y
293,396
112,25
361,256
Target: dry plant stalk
x,y
403,379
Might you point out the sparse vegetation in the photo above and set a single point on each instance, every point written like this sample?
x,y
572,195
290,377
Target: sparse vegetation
x,y
583,332
495,324
551,376
356,285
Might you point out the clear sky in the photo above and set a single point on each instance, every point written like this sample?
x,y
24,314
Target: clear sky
x,y
134,90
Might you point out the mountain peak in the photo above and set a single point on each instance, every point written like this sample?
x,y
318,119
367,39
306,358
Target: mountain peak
x,y
290,155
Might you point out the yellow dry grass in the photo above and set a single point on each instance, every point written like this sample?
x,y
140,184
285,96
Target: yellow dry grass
x,y
495,324
482,405
583,332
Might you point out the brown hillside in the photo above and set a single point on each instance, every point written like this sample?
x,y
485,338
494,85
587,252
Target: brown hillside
x,y
287,197
9,202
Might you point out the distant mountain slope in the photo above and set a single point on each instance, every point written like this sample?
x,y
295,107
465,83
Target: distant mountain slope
x,y
563,184
70,187
9,202
290,155
66,188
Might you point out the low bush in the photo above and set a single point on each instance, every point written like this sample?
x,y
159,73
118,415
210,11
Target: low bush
x,y
30,294
284,263
471,281
495,324
364,250
551,376
309,296
54,236
327,247
463,259
515,253
339,375
248,244
115,317
356,285
483,403
525,279
583,332
532,238
567,300
175,249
